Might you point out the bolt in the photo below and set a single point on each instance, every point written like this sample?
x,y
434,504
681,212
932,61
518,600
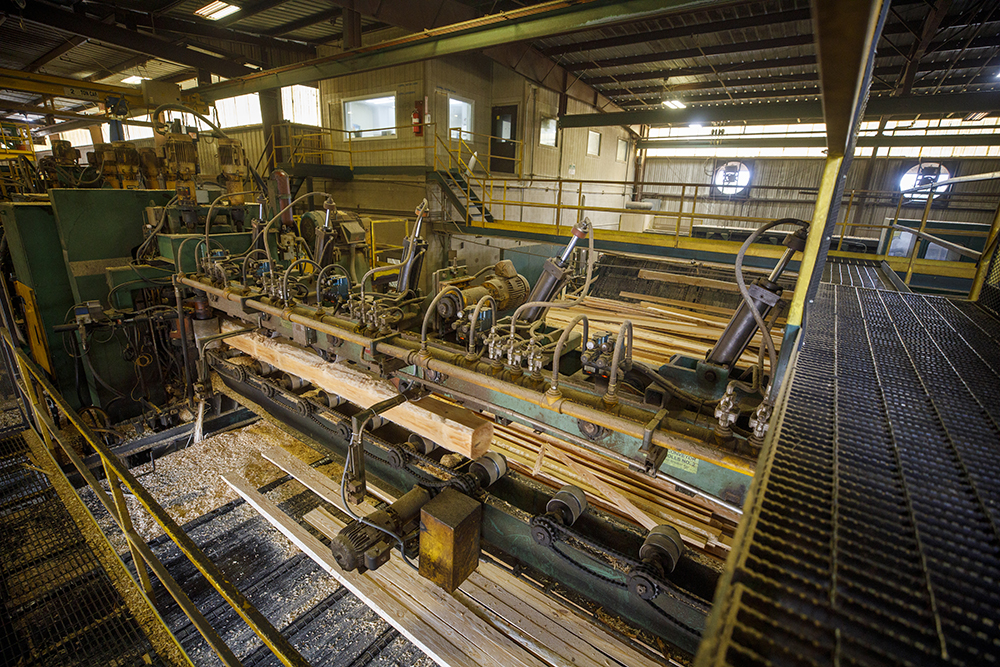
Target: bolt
x,y
641,589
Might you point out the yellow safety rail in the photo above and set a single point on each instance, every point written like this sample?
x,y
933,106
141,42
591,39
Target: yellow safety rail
x,y
35,388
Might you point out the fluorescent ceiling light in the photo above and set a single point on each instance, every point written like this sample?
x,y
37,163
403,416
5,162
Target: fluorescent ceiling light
x,y
214,11
674,104
135,79
976,115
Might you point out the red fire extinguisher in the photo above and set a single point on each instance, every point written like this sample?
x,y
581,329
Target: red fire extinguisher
x,y
417,117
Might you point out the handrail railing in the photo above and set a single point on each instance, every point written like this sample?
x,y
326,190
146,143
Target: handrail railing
x,y
34,384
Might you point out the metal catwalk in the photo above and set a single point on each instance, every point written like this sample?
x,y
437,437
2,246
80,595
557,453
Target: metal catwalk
x,y
873,537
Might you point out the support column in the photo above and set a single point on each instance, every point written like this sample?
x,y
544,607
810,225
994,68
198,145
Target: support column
x,y
352,29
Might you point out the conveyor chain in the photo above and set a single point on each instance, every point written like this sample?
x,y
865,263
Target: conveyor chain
x,y
873,529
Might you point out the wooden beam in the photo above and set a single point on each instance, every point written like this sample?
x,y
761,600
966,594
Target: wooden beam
x,y
542,625
423,634
449,426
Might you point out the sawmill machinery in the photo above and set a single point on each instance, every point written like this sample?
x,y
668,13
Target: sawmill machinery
x,y
403,370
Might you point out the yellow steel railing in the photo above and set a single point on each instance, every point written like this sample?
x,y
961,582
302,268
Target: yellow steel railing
x,y
36,388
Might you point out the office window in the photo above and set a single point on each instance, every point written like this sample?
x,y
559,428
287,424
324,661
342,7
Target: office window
x,y
300,104
547,134
621,155
593,142
459,117
371,117
239,111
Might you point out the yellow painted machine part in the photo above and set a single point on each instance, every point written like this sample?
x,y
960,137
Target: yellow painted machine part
x,y
36,333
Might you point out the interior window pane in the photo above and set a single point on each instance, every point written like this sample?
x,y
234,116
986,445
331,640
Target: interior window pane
x,y
372,117
593,143
459,117
547,136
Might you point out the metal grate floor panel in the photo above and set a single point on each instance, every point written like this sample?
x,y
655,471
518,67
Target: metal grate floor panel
x,y
58,605
856,273
873,534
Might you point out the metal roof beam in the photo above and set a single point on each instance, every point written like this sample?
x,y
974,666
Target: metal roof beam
x,y
696,71
820,142
809,77
680,31
54,17
877,106
56,86
713,50
481,34
191,27
305,22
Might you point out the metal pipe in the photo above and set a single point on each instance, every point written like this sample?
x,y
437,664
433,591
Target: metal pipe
x,y
611,396
474,321
557,355
183,332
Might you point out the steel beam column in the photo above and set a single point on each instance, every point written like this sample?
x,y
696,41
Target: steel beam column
x,y
846,35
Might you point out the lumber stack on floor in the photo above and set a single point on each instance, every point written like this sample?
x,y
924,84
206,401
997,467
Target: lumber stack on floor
x,y
660,327
705,528
494,618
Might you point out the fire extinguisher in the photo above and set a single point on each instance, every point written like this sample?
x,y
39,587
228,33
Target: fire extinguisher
x,y
417,117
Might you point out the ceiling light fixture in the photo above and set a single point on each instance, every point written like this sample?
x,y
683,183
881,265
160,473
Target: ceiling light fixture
x,y
214,11
976,115
135,80
674,104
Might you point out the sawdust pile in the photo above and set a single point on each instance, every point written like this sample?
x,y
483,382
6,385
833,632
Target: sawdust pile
x,y
189,483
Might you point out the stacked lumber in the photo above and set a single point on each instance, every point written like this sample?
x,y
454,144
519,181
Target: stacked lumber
x,y
660,327
494,618
614,488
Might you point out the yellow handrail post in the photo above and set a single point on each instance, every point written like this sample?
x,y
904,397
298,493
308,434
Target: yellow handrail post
x,y
694,204
984,260
559,207
680,212
844,224
917,238
125,521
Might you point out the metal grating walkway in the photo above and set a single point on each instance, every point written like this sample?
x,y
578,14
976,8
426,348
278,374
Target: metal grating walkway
x,y
873,531
856,273
58,605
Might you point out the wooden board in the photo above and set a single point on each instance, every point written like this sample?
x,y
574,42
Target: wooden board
x,y
452,427
424,635
544,626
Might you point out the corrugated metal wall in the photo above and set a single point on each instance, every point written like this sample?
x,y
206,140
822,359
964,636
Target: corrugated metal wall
x,y
803,177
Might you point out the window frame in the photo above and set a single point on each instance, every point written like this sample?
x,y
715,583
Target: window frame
x,y
555,135
344,101
288,116
619,145
600,140
472,113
